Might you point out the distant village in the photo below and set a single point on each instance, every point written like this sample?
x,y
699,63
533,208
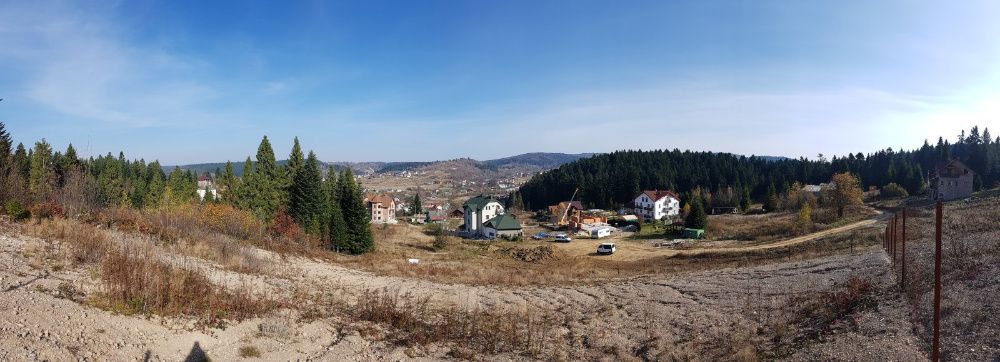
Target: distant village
x,y
485,216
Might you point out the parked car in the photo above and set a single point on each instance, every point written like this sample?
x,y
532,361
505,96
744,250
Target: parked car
x,y
540,236
606,248
563,238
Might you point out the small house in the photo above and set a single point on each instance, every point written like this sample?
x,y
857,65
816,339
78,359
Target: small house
x,y
951,180
502,226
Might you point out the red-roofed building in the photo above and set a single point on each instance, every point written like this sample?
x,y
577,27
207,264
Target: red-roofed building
x,y
656,204
382,209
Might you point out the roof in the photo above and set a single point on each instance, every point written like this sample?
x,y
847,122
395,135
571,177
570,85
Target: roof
x,y
478,202
380,199
656,195
565,205
952,168
503,222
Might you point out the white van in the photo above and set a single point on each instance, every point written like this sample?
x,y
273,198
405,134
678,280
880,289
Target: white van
x,y
606,248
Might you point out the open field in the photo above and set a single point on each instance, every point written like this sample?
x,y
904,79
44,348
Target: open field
x,y
826,296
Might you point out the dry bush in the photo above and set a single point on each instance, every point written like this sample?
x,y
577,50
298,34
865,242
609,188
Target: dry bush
x,y
415,322
89,245
134,280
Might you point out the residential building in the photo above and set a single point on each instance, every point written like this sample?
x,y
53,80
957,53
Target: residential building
x,y
564,212
381,208
656,204
477,211
502,226
951,180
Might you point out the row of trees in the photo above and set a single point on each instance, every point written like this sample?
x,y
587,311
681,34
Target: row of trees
x,y
332,209
722,179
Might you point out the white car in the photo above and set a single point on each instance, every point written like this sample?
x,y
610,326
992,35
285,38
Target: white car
x,y
563,238
606,248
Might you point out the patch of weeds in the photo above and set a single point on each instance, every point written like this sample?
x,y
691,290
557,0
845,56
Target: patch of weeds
x,y
249,352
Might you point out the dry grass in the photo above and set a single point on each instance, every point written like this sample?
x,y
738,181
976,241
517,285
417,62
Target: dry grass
x,y
970,260
135,280
489,263
406,320
776,226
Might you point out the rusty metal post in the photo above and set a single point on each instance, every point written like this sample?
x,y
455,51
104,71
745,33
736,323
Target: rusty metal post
x,y
936,346
892,240
902,279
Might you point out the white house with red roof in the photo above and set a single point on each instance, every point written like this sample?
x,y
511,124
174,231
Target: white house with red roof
x,y
656,204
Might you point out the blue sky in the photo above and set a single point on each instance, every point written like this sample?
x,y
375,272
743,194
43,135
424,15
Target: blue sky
x,y
202,81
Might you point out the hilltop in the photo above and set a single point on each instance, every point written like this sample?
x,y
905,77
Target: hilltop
x,y
528,162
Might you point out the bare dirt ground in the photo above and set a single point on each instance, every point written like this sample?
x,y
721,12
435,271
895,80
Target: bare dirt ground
x,y
720,314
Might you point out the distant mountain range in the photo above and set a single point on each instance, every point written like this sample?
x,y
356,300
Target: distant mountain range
x,y
528,162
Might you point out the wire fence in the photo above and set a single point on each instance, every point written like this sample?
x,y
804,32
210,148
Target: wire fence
x,y
894,244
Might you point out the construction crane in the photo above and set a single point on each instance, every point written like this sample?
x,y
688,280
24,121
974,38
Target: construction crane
x,y
566,211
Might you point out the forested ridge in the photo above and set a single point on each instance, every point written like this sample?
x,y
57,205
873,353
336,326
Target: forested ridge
x,y
43,182
613,179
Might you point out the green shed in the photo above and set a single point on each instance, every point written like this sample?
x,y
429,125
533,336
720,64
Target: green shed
x,y
694,233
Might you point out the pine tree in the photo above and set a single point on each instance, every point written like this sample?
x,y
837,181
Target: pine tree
x,y
745,200
264,187
336,227
306,196
41,175
417,207
228,179
771,201
697,219
21,162
154,192
359,234
5,148
111,181
182,189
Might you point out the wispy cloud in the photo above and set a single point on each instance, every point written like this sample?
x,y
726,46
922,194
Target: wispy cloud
x,y
75,61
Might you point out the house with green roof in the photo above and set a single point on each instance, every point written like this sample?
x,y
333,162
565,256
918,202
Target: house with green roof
x,y
480,210
502,226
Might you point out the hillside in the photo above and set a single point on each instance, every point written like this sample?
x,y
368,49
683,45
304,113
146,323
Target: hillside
x,y
611,180
528,162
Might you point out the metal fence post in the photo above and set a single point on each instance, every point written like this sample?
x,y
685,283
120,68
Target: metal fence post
x,y
936,346
902,279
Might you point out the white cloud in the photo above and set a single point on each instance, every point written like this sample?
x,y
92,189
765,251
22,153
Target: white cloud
x,y
76,62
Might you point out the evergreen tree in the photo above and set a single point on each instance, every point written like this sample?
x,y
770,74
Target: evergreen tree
x,y
154,191
306,196
336,227
227,180
417,207
697,219
358,233
209,197
264,187
771,200
111,181
296,161
5,148
71,156
745,200
182,189
21,162
41,175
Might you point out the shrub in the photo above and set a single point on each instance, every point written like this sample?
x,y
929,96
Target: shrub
x,y
15,210
249,352
46,210
136,281
893,190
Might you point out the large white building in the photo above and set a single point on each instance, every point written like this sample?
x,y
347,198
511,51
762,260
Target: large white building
x,y
656,204
478,210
